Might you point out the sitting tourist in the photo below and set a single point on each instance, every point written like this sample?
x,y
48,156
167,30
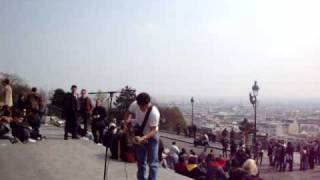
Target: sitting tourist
x,y
20,129
173,155
181,166
4,129
183,152
250,171
193,170
215,170
236,172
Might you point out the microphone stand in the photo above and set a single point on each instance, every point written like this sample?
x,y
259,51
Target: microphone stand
x,y
111,93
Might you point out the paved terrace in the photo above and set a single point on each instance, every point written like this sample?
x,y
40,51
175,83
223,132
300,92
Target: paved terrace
x,y
57,159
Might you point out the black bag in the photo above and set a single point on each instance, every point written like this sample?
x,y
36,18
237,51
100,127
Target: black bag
x,y
107,137
139,129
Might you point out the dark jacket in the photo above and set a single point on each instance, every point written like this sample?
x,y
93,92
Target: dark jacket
x,y
215,171
99,115
85,105
34,102
70,107
181,168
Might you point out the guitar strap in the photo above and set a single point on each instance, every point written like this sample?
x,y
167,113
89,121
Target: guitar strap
x,y
144,123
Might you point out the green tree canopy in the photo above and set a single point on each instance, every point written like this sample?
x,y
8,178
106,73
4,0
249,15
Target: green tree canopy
x,y
57,98
171,116
123,101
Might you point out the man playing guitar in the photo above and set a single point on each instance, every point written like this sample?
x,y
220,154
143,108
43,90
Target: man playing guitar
x,y
146,135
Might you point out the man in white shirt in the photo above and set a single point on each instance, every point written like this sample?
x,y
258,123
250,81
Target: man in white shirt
x,y
149,137
174,155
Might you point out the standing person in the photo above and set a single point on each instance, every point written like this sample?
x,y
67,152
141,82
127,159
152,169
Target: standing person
x,y
85,109
270,153
189,131
255,151
99,115
260,153
148,116
233,148
178,129
194,131
185,130
224,143
21,103
70,110
318,152
303,158
289,155
312,155
34,105
7,93
281,152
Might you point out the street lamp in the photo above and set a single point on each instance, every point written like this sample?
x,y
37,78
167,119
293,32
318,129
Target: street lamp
x,y
192,102
253,101
192,127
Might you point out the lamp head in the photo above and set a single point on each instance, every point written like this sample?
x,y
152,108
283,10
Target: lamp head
x,y
192,100
255,89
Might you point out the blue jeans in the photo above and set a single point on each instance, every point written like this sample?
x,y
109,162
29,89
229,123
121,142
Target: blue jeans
x,y
148,153
35,123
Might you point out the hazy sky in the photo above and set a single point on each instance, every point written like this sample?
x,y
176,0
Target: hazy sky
x,y
211,48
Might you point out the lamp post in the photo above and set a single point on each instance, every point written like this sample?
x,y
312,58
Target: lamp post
x,y
253,100
194,129
192,102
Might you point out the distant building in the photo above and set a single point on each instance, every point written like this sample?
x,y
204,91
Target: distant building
x,y
293,128
310,129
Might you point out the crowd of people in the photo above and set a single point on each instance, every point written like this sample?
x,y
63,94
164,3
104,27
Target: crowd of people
x,y
23,118
79,111
281,155
20,121
234,158
207,166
